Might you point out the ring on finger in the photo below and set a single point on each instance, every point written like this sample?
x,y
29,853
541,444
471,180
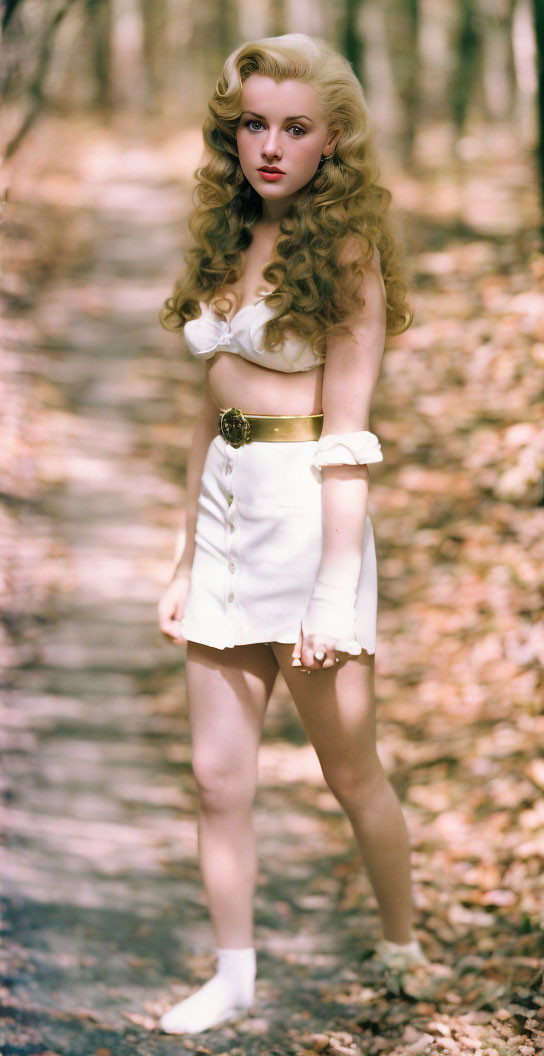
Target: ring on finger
x,y
319,656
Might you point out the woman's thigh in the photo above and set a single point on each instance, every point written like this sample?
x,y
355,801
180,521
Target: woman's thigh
x,y
337,710
228,691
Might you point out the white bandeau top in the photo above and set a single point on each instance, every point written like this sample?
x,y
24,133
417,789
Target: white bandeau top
x,y
243,336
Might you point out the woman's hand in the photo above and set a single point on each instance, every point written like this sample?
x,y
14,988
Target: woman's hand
x,y
315,652
172,606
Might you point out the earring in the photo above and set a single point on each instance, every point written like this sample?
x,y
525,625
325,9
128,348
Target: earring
x,y
327,156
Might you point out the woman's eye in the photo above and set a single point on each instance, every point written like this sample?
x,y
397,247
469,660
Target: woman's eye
x,y
255,126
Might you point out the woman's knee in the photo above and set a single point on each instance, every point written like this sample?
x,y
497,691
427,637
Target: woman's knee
x,y
356,781
222,784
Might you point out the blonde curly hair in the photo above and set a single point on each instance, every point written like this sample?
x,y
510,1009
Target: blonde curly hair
x,y
331,230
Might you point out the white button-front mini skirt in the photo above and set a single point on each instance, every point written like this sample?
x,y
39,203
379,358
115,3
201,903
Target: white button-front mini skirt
x,y
258,548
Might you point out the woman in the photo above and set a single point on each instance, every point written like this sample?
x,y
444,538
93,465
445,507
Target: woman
x,y
290,286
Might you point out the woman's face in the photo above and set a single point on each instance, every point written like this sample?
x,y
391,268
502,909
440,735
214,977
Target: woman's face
x,y
281,128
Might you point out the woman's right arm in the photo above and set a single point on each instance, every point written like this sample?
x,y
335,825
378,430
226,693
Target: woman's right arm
x,y
172,603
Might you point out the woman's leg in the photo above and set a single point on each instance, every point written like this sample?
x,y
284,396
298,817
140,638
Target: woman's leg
x,y
228,691
338,713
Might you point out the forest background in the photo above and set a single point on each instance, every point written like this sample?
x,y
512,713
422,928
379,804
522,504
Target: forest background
x,y
104,919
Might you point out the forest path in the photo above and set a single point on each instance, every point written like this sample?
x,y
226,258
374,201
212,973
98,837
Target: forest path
x,y
105,922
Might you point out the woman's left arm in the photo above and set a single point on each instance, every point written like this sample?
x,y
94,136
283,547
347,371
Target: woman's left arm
x,y
351,372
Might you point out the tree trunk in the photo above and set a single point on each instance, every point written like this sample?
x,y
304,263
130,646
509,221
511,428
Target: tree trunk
x,y
215,34
277,18
34,91
154,49
538,9
353,42
227,25
9,8
510,59
98,32
467,51
402,27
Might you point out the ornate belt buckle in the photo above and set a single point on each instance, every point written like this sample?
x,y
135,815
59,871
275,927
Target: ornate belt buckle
x,y
234,427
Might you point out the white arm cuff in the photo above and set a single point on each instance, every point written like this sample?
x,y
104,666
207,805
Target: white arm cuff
x,y
347,449
331,613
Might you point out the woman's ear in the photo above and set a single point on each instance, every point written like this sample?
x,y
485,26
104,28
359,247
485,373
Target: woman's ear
x,y
330,145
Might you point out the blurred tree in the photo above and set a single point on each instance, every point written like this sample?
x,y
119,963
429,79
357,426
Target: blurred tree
x,y
215,33
98,33
226,20
277,18
154,18
402,19
352,44
538,8
506,17
467,55
8,7
31,84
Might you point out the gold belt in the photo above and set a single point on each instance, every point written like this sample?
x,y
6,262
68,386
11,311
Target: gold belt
x,y
238,428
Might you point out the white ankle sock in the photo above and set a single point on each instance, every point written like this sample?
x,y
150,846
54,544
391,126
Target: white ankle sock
x,y
410,952
229,991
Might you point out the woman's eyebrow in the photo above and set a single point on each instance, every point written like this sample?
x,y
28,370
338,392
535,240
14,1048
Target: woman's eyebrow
x,y
296,117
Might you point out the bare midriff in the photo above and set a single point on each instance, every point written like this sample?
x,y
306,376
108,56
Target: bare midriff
x,y
234,382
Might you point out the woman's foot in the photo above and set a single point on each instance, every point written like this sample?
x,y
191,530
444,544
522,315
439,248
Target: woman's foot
x,y
230,992
406,970
402,956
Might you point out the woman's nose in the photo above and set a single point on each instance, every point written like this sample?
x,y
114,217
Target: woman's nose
x,y
271,146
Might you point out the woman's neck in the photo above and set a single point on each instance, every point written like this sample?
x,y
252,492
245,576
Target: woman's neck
x,y
273,212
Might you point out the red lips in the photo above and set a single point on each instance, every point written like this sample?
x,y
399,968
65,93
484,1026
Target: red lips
x,y
271,168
